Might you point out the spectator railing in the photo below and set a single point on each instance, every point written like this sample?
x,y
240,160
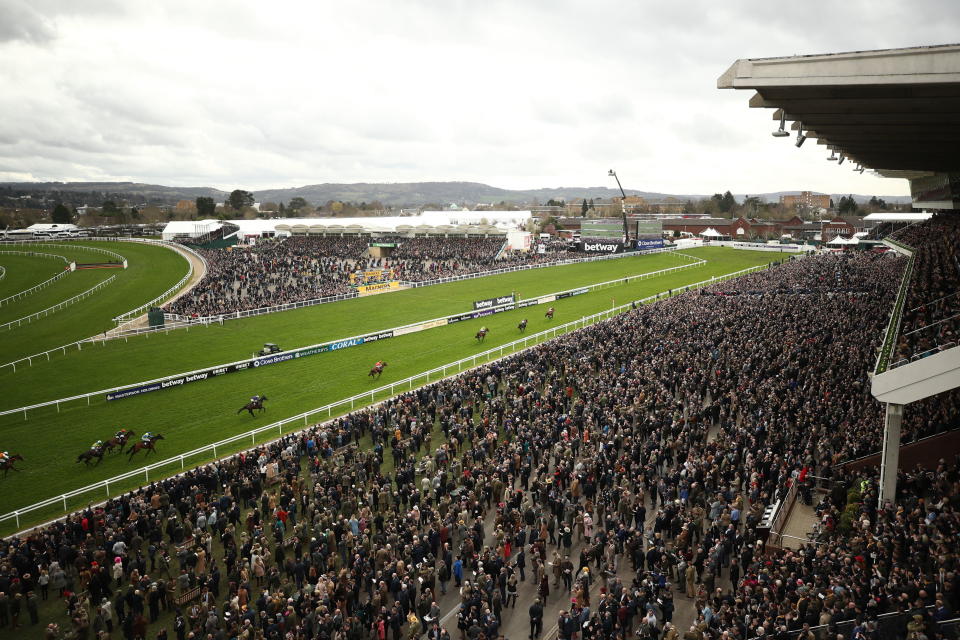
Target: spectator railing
x,y
36,287
893,325
231,445
57,307
396,330
890,626
249,313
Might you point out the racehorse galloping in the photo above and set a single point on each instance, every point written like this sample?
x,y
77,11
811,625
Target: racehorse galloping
x,y
549,314
523,325
94,452
377,369
256,403
149,444
6,463
118,441
482,334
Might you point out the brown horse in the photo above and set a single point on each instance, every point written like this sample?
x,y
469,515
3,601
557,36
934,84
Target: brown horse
x,y
140,445
118,442
523,325
7,463
254,405
377,370
549,314
481,334
94,452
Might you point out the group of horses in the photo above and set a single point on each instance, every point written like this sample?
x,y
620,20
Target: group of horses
x,y
119,442
522,326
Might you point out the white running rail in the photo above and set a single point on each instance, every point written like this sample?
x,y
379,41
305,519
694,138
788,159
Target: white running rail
x,y
302,420
57,307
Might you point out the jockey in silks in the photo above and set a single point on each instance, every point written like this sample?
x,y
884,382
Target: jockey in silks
x,y
122,434
483,329
379,365
4,456
146,438
255,399
96,446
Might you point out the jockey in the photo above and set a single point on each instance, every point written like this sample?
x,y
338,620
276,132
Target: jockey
x,y
379,364
4,456
122,434
97,445
146,437
483,329
255,399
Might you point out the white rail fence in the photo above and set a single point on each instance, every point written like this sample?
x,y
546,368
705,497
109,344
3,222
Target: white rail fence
x,y
249,313
35,254
396,330
302,420
57,307
3,273
34,288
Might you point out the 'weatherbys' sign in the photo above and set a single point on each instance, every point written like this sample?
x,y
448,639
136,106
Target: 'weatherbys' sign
x,y
489,303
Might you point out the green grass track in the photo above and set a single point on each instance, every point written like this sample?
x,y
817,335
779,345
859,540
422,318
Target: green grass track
x,y
152,270
204,412
24,272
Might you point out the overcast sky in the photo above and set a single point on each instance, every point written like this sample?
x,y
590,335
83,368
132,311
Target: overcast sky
x,y
515,94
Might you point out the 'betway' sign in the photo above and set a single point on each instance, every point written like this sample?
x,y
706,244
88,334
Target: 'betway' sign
x,y
489,303
601,247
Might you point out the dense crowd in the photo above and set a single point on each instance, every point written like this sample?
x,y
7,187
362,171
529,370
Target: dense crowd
x,y
931,318
618,468
276,272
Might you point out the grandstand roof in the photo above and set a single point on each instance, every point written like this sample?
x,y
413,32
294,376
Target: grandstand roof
x,y
893,110
898,216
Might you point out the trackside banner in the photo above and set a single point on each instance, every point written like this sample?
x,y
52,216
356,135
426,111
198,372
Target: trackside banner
x,y
600,246
645,244
253,363
489,303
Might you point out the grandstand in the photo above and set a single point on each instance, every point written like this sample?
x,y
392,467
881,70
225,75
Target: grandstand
x,y
636,477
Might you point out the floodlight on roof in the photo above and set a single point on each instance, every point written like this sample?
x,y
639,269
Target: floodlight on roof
x,y
840,161
781,132
833,156
800,137
862,169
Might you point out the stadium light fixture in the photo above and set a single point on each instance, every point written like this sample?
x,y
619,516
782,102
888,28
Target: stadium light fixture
x,y
781,132
800,137
840,161
833,156
623,207
862,169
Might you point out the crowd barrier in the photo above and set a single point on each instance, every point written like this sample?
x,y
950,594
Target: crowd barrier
x,y
408,284
202,454
60,305
333,345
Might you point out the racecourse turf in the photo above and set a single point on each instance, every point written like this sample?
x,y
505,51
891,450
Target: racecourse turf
x,y
24,272
204,412
146,357
151,271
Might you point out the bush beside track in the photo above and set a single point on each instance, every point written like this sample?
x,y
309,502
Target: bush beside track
x,y
194,415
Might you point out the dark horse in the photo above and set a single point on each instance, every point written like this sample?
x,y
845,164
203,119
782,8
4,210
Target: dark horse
x,y
482,334
140,445
523,325
118,442
94,452
377,370
549,313
7,464
254,405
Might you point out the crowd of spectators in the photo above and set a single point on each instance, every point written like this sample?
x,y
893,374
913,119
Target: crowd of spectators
x,y
931,317
276,272
619,468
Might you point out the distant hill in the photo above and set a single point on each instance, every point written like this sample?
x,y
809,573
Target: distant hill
x,y
391,194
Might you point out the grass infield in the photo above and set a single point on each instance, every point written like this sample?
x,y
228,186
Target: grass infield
x,y
204,412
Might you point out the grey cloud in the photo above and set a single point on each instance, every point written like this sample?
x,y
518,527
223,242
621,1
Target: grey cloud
x,y
19,21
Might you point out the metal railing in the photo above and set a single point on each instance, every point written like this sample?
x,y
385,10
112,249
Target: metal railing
x,y
259,311
3,273
395,330
134,313
36,287
890,626
408,384
893,325
60,305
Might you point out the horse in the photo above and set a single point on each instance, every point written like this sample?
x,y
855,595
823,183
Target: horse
x,y
118,442
7,463
549,314
523,325
377,370
139,445
482,334
90,454
252,405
